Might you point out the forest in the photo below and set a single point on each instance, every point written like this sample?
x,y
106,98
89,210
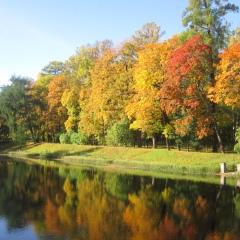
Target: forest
x,y
182,92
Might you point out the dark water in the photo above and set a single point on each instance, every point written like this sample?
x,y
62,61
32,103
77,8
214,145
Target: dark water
x,y
41,202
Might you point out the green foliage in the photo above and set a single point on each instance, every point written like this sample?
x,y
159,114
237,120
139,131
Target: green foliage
x,y
53,68
20,136
207,18
237,146
119,185
79,138
195,144
4,131
120,135
74,138
64,138
150,33
237,205
15,106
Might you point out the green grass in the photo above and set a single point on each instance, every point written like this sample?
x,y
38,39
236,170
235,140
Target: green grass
x,y
160,160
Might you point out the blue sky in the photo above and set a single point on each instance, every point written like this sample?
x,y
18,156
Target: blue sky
x,y
33,33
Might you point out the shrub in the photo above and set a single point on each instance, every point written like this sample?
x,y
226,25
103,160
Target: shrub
x,y
120,135
74,138
64,138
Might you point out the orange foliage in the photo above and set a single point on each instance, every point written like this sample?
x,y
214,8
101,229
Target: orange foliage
x,y
57,114
227,88
56,89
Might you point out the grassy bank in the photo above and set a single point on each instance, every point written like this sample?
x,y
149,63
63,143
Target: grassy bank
x,y
141,158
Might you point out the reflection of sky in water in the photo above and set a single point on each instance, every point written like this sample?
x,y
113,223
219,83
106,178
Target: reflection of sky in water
x,y
16,234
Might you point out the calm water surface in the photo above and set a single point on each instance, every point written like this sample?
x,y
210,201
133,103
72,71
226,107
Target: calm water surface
x,y
61,202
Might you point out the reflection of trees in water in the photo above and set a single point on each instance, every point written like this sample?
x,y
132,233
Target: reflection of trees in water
x,y
90,204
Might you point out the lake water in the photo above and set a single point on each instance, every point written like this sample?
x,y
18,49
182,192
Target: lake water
x,y
64,202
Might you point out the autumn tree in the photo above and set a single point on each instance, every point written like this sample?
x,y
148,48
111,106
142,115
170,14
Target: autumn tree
x,y
227,88
104,100
57,113
149,74
70,96
99,108
186,90
78,70
39,92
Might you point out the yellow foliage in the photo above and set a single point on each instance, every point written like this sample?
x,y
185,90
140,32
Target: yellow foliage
x,y
227,88
149,74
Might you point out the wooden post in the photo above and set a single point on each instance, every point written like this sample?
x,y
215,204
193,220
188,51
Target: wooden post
x,y
238,183
223,180
223,167
238,167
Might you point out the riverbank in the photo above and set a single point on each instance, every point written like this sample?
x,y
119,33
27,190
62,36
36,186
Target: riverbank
x,y
140,158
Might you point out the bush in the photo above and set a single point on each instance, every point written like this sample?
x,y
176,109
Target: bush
x,y
64,138
120,135
74,138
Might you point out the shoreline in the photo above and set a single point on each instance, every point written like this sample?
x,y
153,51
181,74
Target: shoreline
x,y
155,160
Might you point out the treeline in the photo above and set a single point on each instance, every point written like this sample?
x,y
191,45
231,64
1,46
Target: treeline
x,y
182,91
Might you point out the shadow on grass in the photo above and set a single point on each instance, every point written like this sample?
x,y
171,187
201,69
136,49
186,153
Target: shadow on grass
x,y
60,153
52,155
30,145
86,152
11,146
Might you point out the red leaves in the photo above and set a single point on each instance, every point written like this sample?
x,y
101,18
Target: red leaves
x,y
184,92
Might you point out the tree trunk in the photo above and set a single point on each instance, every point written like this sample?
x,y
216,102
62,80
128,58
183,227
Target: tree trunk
x,y
178,146
216,136
154,140
139,138
214,142
168,144
153,181
213,111
219,139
